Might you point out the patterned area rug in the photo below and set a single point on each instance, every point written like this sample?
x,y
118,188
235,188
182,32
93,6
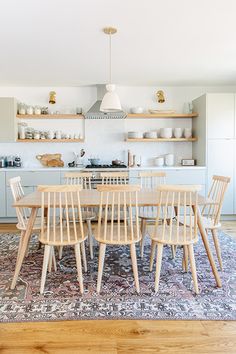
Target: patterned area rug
x,y
118,299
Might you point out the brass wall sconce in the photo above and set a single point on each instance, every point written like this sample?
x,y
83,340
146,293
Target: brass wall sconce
x,y
52,97
160,96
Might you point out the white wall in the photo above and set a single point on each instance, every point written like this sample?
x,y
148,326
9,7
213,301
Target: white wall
x,y
105,138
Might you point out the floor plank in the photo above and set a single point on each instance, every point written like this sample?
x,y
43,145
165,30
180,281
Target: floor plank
x,y
70,337
119,337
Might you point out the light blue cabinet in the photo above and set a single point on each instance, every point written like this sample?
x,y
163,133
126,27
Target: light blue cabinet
x,y
29,181
10,210
2,195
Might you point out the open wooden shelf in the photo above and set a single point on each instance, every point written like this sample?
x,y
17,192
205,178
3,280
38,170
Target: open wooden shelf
x,y
50,116
50,140
161,115
146,140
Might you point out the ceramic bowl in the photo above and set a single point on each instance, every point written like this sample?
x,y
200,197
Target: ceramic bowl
x,y
159,161
136,110
150,135
166,133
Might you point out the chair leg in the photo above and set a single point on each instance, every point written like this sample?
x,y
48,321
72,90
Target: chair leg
x,y
84,256
50,261
153,250
90,237
134,265
47,253
158,265
20,245
143,233
173,251
102,250
217,247
54,259
185,259
60,250
193,268
79,267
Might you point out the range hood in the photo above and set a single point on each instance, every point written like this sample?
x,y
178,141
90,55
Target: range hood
x,y
95,113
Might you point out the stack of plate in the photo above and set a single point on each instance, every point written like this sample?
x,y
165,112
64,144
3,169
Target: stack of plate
x,y
150,135
135,135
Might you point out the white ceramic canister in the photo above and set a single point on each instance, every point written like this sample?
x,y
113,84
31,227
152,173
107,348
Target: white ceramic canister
x,y
187,133
169,159
178,133
159,161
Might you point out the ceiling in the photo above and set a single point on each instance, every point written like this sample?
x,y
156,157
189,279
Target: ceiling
x,y
168,42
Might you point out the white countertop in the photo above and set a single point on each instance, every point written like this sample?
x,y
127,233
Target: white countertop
x,y
99,169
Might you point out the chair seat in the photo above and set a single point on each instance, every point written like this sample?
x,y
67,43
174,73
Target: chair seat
x,y
181,240
207,222
123,240
62,241
37,225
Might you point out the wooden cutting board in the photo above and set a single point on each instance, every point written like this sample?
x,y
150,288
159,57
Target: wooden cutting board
x,y
50,160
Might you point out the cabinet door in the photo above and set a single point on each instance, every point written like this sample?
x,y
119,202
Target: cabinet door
x,y
186,176
221,154
8,110
11,212
220,115
33,178
2,195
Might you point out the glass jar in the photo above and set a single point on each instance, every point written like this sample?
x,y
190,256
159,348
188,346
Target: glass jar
x,y
22,108
37,110
30,110
36,135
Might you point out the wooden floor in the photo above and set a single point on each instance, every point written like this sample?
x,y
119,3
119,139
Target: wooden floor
x,y
68,337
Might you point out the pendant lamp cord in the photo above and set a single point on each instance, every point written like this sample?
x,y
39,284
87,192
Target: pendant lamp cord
x,y
110,56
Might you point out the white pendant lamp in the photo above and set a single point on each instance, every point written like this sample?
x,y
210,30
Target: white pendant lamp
x,y
110,101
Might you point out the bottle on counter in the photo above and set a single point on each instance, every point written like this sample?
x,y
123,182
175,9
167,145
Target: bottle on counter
x,y
130,159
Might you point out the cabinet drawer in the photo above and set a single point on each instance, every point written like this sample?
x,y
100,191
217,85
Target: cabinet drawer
x,y
34,178
2,195
11,211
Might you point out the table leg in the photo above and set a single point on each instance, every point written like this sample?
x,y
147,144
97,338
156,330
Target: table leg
x,y
207,247
24,245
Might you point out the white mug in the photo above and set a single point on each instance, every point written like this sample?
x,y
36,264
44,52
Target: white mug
x,y
187,133
178,133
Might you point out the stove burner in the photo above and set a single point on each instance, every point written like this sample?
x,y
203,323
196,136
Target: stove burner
x,y
106,166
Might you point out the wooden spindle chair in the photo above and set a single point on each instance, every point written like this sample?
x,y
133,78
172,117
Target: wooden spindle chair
x,y
22,213
126,231
149,180
115,177
88,214
173,232
212,212
57,230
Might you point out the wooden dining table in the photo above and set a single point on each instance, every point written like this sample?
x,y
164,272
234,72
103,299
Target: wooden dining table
x,y
91,198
